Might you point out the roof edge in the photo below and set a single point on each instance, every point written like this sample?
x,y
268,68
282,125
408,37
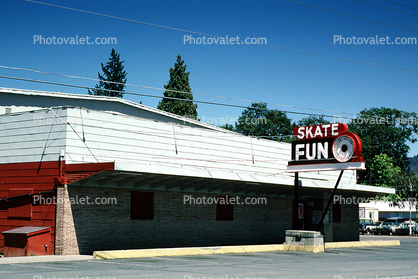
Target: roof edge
x,y
58,94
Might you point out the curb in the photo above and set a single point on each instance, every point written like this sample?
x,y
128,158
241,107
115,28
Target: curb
x,y
43,259
146,253
304,248
169,252
354,244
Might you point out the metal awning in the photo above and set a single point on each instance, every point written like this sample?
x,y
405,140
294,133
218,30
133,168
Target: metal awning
x,y
27,230
164,178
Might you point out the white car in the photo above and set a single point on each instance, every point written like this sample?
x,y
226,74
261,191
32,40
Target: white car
x,y
372,229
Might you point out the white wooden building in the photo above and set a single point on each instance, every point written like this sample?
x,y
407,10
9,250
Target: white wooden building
x,y
110,147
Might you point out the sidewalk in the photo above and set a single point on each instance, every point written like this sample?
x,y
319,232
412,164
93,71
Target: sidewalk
x,y
41,259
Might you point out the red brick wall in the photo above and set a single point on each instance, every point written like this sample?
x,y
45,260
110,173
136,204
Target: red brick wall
x,y
66,240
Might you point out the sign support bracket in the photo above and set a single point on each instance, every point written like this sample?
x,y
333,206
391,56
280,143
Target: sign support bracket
x,y
329,201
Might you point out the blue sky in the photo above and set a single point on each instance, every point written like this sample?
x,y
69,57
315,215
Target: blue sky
x,y
248,72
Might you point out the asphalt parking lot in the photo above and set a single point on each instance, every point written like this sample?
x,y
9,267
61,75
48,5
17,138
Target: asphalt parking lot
x,y
348,263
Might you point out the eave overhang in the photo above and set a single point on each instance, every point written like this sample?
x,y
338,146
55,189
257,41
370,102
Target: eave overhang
x,y
180,179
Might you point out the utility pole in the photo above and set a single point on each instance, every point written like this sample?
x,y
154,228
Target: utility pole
x,y
410,207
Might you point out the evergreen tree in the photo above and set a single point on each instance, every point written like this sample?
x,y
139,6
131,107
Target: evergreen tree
x,y
178,83
113,71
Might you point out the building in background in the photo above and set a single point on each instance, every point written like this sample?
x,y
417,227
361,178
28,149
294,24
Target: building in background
x,y
381,210
102,173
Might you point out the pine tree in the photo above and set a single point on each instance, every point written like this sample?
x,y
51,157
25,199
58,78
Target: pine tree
x,y
113,71
178,83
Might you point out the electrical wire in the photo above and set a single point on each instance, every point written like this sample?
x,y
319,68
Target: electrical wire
x,y
401,4
195,101
82,139
338,13
183,92
264,45
122,18
159,133
171,98
46,143
383,7
200,33
169,90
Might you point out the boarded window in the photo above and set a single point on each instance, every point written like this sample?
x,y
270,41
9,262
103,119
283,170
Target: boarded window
x,y
336,212
224,209
142,206
20,206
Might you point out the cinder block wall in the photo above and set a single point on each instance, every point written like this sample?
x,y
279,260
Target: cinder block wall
x,y
175,224
347,229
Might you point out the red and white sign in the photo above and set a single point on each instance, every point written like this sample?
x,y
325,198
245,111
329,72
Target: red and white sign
x,y
319,131
325,147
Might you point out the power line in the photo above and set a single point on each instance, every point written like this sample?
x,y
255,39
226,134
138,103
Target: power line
x,y
196,101
203,102
145,133
122,18
169,90
269,46
383,7
338,13
171,98
401,4
200,33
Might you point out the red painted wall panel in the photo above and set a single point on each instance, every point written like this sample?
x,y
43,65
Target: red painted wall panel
x,y
38,177
21,207
34,177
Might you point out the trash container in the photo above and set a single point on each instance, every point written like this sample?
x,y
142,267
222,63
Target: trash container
x,y
27,241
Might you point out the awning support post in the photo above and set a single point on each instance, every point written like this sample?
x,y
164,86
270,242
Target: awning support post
x,y
296,207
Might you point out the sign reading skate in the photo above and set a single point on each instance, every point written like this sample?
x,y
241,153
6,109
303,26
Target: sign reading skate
x,y
325,147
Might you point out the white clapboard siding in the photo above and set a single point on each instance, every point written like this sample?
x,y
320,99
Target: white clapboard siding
x,y
116,137
183,137
30,136
42,134
212,150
